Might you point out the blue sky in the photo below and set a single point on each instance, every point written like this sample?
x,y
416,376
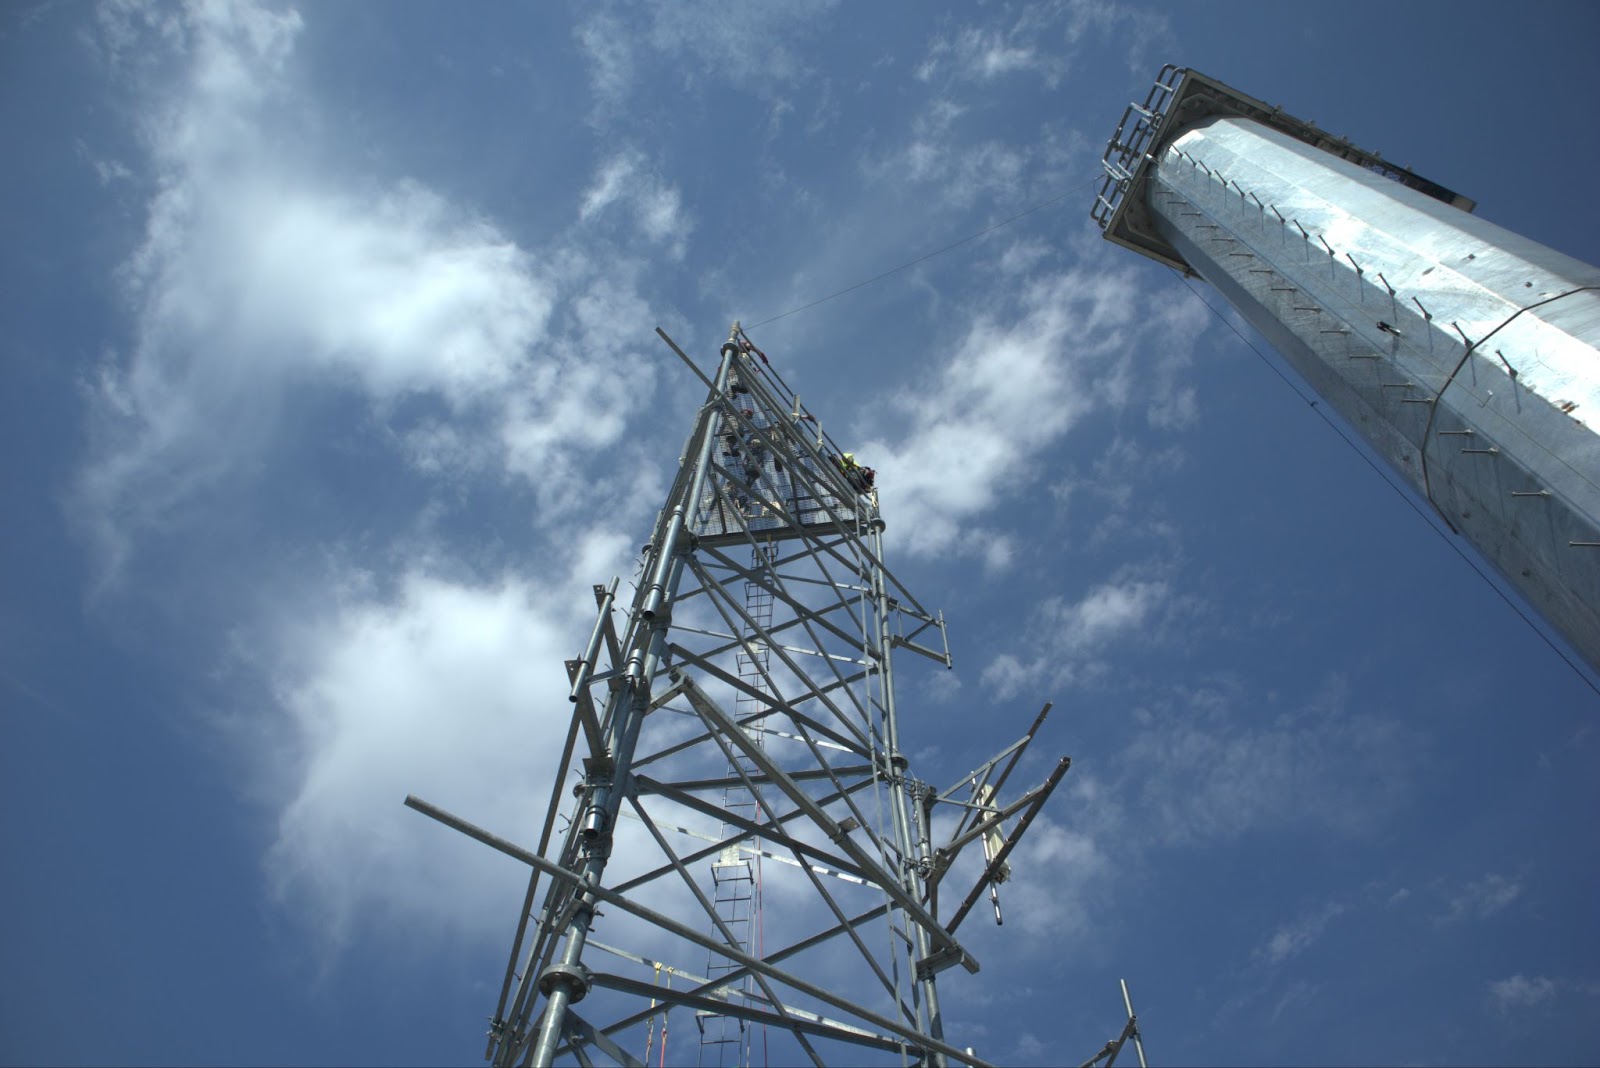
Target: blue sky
x,y
330,387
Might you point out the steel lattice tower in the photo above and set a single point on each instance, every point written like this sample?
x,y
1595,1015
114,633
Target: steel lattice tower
x,y
1466,355
739,717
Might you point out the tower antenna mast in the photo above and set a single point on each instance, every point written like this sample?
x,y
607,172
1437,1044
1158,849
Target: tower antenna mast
x,y
741,708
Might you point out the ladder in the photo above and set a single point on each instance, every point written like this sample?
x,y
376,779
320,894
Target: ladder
x,y
726,1041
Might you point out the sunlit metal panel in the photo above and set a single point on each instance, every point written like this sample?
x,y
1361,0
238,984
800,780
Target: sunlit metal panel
x,y
1464,353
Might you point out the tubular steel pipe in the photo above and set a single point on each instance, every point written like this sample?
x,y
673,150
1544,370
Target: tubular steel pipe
x,y
625,715
671,926
1393,238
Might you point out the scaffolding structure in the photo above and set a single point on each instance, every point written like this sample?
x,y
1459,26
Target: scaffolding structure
x,y
1106,1056
735,742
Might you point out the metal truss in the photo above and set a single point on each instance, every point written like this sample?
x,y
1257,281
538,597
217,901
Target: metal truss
x,y
1107,1055
764,511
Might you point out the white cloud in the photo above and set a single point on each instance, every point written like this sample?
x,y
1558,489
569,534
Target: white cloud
x,y
269,279
1148,34
1520,992
1013,386
1299,992
1007,674
749,46
998,551
1107,611
107,170
959,171
609,184
608,46
1057,887
1045,40
1054,869
657,208
452,692
1482,898
1296,936
400,293
1030,1050
985,54
1023,256
1065,637
1176,411
267,275
1205,766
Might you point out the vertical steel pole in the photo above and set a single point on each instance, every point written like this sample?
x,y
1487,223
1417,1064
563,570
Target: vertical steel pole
x,y
566,980
1138,1043
922,813
907,870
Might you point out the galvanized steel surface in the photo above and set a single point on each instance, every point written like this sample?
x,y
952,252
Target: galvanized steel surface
x,y
1181,98
1466,354
762,585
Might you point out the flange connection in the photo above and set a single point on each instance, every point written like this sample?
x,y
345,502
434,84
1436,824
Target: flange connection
x,y
574,978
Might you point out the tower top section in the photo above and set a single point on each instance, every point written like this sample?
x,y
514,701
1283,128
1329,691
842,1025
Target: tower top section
x,y
773,474
1178,100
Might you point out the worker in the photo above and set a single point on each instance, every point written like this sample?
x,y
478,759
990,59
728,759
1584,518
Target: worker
x,y
745,443
854,473
733,436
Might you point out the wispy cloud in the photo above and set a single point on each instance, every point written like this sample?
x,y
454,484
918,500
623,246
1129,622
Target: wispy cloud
x,y
1297,935
447,690
1018,380
1520,992
1044,41
1056,891
949,153
1480,899
275,276
267,275
985,53
1068,635
607,45
1205,765
1106,610
1299,992
655,205
751,47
